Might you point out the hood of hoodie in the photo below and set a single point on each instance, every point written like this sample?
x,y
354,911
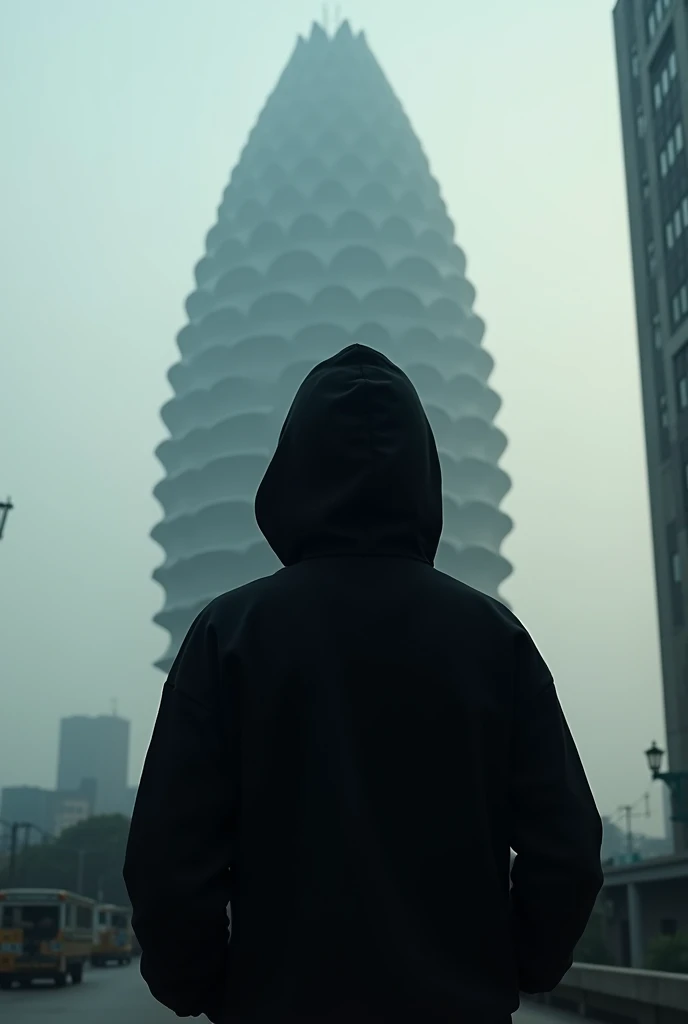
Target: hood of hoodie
x,y
356,469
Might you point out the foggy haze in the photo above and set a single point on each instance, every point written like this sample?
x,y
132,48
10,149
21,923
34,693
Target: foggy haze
x,y
121,124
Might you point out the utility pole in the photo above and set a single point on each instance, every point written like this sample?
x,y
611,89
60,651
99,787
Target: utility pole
x,y
81,857
628,811
15,829
5,507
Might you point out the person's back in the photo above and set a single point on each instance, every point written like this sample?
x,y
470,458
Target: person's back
x,y
360,739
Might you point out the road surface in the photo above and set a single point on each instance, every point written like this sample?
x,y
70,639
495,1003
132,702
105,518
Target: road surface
x,y
117,995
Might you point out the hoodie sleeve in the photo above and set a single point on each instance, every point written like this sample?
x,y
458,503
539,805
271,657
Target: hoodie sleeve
x,y
555,831
180,843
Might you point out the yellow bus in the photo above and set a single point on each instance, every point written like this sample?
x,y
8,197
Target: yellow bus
x,y
112,935
44,933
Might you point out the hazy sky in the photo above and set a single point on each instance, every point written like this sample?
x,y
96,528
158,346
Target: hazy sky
x,y
120,123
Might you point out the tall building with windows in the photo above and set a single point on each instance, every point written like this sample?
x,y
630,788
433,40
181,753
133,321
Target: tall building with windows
x,y
332,230
95,752
652,58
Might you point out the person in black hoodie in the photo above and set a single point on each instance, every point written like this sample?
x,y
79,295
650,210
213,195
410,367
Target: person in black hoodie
x,y
347,750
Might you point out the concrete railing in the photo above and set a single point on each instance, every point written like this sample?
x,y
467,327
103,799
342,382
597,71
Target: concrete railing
x,y
622,995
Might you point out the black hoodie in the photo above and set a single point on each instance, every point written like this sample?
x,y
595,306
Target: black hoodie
x,y
347,750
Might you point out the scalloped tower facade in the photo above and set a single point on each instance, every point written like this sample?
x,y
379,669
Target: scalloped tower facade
x,y
331,231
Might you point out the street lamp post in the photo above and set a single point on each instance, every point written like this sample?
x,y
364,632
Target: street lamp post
x,y
5,508
15,827
676,781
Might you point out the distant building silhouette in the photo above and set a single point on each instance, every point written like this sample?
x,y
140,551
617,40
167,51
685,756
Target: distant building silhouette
x,y
27,803
95,749
652,59
69,807
331,231
51,811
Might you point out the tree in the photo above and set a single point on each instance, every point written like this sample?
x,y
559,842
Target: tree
x,y
89,856
593,948
669,953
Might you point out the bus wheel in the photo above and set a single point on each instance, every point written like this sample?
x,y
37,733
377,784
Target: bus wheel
x,y
77,973
60,980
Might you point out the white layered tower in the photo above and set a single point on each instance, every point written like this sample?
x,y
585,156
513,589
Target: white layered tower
x,y
331,231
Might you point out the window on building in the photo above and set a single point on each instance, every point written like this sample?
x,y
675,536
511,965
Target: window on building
x,y
673,67
635,63
669,232
657,332
659,10
651,25
678,224
640,122
665,81
675,309
678,136
675,570
671,152
658,95
651,259
683,393
663,165
683,299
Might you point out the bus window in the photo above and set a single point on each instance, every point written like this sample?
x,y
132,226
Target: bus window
x,y
40,923
119,920
84,917
10,917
